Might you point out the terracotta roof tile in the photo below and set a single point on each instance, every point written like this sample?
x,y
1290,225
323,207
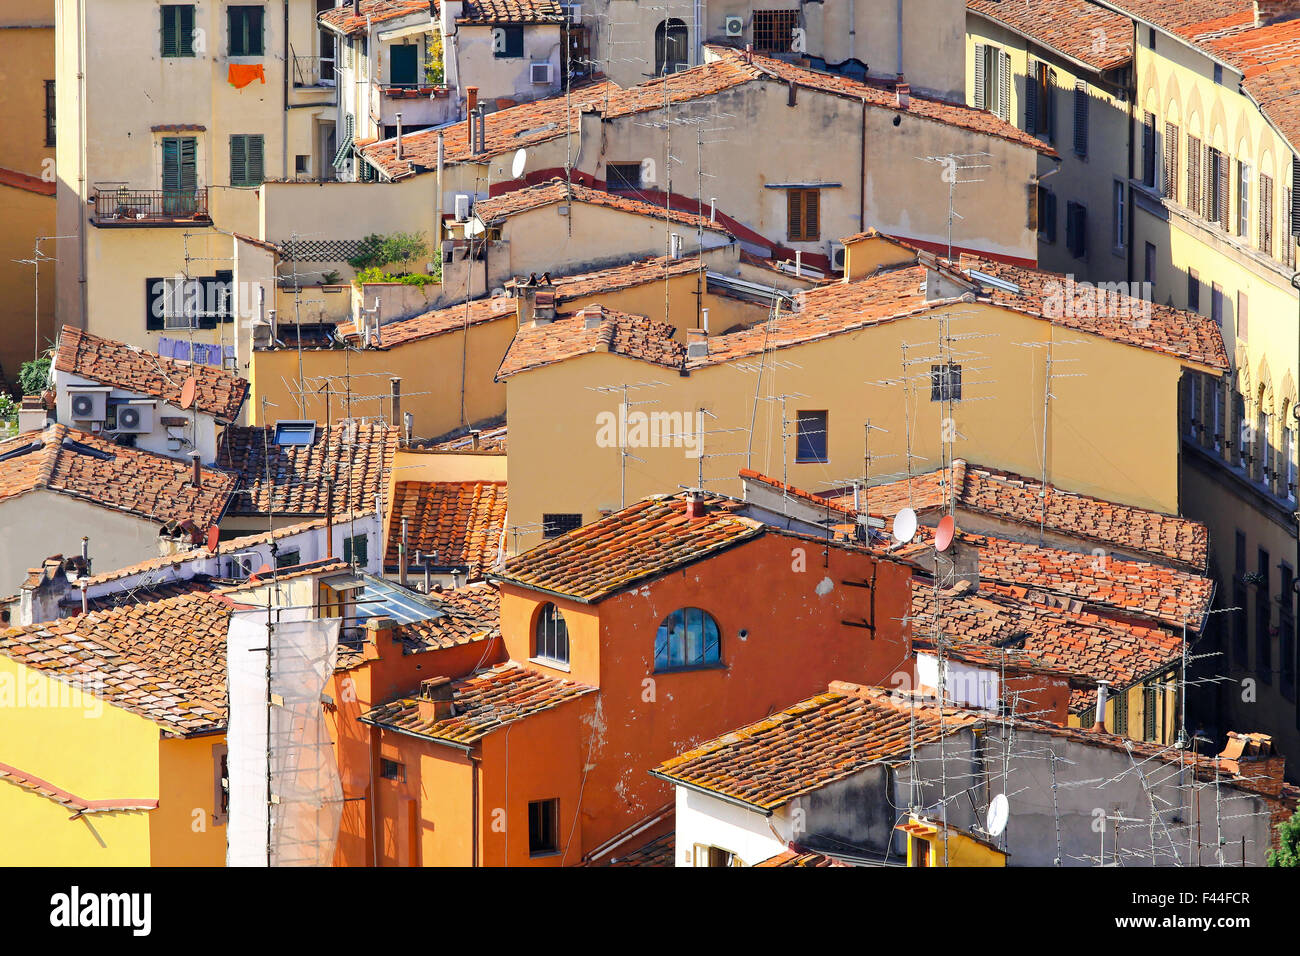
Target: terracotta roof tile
x,y
642,541
79,805
619,333
375,11
356,456
219,393
490,439
84,466
456,523
1082,30
795,857
482,703
657,852
511,11
164,660
502,207
469,614
26,182
452,318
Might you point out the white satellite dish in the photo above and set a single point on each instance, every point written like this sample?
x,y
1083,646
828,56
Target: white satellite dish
x,y
905,526
999,810
520,162
473,228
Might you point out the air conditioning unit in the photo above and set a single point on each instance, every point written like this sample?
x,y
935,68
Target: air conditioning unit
x,y
839,256
541,74
735,26
135,418
463,203
89,406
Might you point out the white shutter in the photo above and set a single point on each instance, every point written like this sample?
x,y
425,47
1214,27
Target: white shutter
x,y
1005,69
979,75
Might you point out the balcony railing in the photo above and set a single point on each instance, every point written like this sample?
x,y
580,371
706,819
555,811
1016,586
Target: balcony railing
x,y
122,204
313,71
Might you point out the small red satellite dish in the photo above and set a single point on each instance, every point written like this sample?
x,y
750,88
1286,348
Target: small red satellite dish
x,y
264,569
214,536
944,533
189,391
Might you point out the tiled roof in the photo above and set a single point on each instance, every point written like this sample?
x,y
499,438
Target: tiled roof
x,y
357,456
452,318
1068,641
490,439
455,523
1093,35
26,182
79,465
657,852
1014,659
501,207
469,614
218,392
619,333
1269,59
644,540
374,11
1016,498
481,703
816,742
79,805
510,11
835,508
796,857
1189,18
165,660
542,120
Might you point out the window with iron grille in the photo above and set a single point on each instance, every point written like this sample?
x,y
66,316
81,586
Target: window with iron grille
x,y
551,635
945,383
688,637
246,159
50,129
804,215
774,30
1171,161
554,525
392,770
1263,622
1076,229
623,177
810,437
543,826
244,24
1046,214
177,29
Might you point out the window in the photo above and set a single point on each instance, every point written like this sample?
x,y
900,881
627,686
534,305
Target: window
x,y
1216,303
554,525
810,437
1040,100
179,174
551,635
1081,118
1194,161
1243,199
774,30
1263,622
1151,702
220,784
687,638
1216,187
1288,463
507,42
177,29
356,549
246,159
50,128
1076,229
1288,241
392,770
403,64
294,433
945,383
1239,602
1171,161
173,303
992,80
288,559
1193,291
623,177
1151,38
1149,266
245,28
1117,239
1149,150
301,164
672,47
804,215
1046,214
1265,214
1218,74
1243,316
543,827
705,855
1286,631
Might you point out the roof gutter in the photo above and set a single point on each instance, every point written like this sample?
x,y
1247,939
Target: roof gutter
x,y
734,801
389,728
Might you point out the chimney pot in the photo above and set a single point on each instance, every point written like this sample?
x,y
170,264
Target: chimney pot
x,y
196,474
695,506
395,400
399,136
591,318
904,91
1103,694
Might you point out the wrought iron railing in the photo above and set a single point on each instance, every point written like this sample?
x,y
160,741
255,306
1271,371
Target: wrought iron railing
x,y
125,204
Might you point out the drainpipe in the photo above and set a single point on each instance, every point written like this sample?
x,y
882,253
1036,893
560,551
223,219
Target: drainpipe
x,y
284,118
84,159
1132,146
900,71
473,811
398,147
401,558
437,222
862,174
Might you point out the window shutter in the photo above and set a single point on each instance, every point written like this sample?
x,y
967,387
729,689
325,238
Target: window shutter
x,y
171,155
185,42
979,75
208,308
189,152
238,161
1194,175
1171,161
253,148
1031,98
1295,196
1049,107
1005,86
167,28
812,215
153,290
1081,118
1222,187
795,203
1051,216
1266,214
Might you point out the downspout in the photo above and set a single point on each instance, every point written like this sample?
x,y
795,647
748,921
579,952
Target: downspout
x,y
900,38
862,174
473,809
83,190
1131,204
853,29
284,117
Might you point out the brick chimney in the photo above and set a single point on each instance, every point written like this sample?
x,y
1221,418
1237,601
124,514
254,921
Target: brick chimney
x,y
697,343
904,91
379,634
196,469
696,507
1274,11
471,104
592,317
1253,756
435,700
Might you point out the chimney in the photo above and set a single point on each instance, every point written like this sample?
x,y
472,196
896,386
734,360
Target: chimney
x,y
798,262
704,321
196,473
31,415
525,297
697,343
380,633
544,306
593,317
1275,11
1254,757
471,104
401,555
474,438
399,136
435,700
904,91
1103,694
749,53
85,553
675,245
695,506
408,426
356,8
395,400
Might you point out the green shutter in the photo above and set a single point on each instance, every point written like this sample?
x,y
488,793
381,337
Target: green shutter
x,y
246,160
402,69
171,171
177,30
238,160
355,549
255,165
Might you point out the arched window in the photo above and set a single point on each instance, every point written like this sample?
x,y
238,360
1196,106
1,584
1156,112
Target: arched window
x,y
672,51
551,635
687,638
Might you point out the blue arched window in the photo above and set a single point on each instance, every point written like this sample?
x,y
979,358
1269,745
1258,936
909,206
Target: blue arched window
x,y
687,638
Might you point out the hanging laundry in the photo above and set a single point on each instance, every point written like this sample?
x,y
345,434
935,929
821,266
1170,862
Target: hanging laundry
x,y
241,74
181,350
164,346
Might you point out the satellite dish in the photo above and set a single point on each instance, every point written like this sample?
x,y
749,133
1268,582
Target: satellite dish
x,y
943,534
473,228
214,538
905,526
189,391
999,810
520,162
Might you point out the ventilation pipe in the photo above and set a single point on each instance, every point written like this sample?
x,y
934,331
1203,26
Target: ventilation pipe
x,y
401,557
399,136
196,474
704,320
395,400
1103,694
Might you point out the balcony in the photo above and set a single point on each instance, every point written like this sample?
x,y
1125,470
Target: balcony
x,y
117,205
313,72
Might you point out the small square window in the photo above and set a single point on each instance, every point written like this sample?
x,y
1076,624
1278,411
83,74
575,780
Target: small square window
x,y
288,559
554,525
392,770
295,433
543,827
356,549
945,383
623,176
811,441
507,42
302,164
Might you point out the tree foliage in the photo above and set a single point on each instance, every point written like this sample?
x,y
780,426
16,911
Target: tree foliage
x,y
379,251
1288,851
34,375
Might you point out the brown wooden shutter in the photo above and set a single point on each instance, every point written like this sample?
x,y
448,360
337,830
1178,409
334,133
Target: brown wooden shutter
x,y
795,213
1223,192
1171,161
1194,175
1266,214
812,215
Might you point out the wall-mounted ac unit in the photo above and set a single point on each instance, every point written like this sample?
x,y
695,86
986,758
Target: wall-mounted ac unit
x,y
540,74
89,406
839,256
462,206
735,26
135,419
